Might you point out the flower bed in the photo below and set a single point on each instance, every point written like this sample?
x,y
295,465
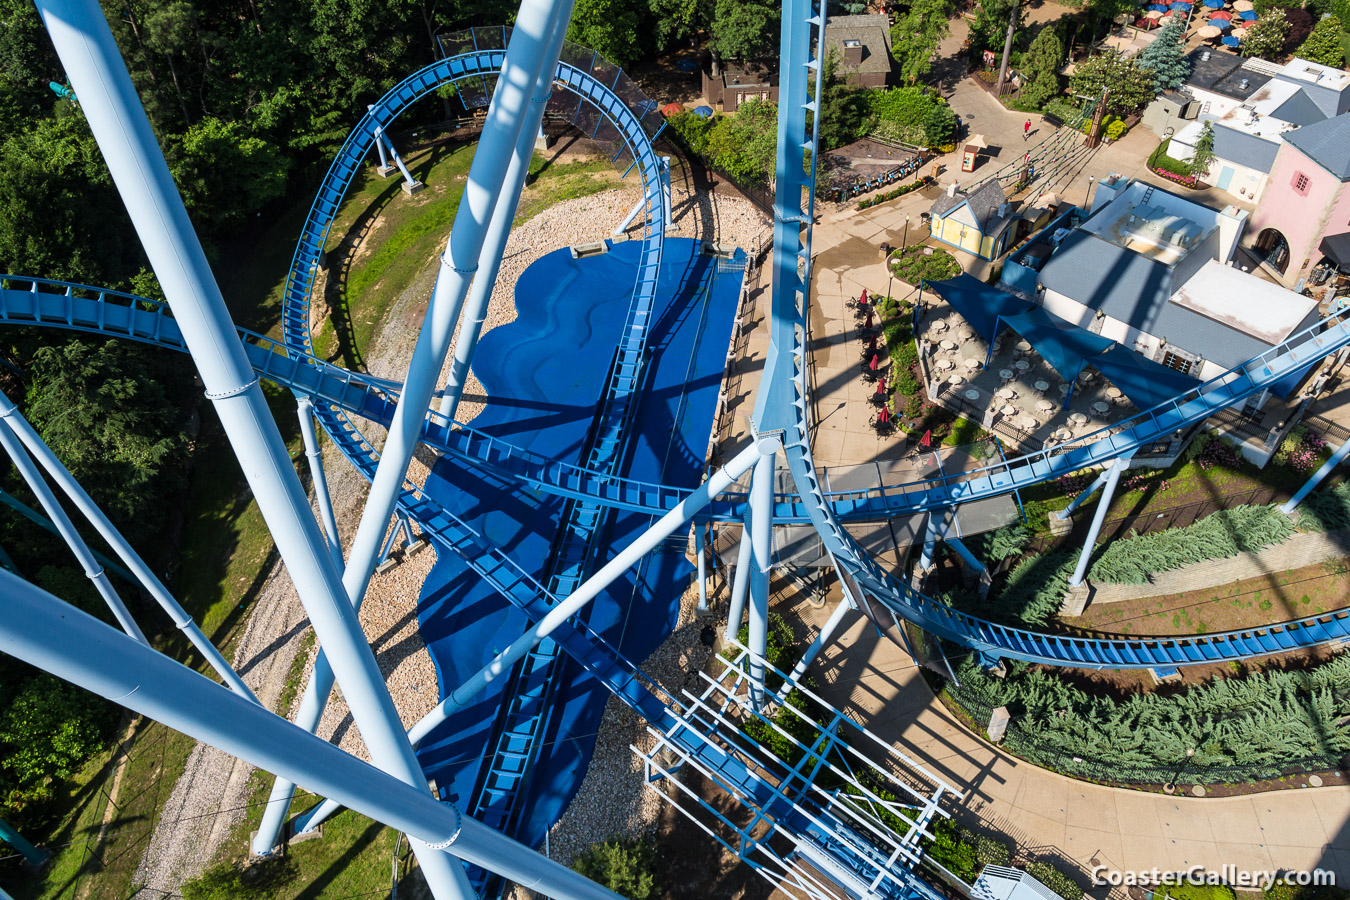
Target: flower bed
x,y
1187,180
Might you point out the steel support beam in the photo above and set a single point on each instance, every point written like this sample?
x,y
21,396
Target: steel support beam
x,y
66,529
70,644
740,583
305,411
19,427
573,604
499,227
1118,465
31,855
1083,497
701,552
1326,468
761,544
826,635
113,110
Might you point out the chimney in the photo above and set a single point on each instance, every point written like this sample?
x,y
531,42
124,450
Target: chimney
x,y
951,189
853,50
1242,85
1204,56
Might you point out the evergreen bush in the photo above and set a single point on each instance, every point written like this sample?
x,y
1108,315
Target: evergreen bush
x,y
1226,533
1326,510
1055,880
624,865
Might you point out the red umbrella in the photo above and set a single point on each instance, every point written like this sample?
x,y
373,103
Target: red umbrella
x,y
863,298
885,415
874,364
881,389
1221,14
868,323
927,440
872,345
672,109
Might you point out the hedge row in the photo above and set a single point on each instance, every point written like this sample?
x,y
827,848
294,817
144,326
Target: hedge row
x,y
901,191
1228,532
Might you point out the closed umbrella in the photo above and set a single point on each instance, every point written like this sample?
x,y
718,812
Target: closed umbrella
x,y
884,415
868,323
862,298
875,363
1208,31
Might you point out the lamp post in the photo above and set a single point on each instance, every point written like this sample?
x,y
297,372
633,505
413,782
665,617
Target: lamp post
x,y
904,241
1171,786
1092,180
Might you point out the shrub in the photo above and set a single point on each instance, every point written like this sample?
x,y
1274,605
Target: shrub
x,y
1225,533
912,265
231,882
948,850
867,202
1326,510
1188,891
624,865
1055,880
1115,130
1008,541
49,730
940,126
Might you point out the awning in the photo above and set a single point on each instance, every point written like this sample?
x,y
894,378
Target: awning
x,y
980,304
1145,382
1337,247
1067,348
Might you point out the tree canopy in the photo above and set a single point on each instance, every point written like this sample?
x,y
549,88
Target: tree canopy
x,y
1324,44
1131,87
1203,156
915,37
1040,67
744,29
1165,59
1266,38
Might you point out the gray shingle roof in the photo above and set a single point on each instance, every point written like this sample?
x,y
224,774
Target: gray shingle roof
x,y
1135,289
1327,143
1299,109
984,198
1328,100
873,32
1244,149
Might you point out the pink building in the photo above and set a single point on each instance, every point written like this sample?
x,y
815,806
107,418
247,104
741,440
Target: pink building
x,y
1306,204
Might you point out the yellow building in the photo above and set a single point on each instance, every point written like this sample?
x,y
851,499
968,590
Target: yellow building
x,y
979,223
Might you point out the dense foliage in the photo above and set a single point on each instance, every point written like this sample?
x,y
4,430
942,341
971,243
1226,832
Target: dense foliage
x,y
1324,43
1203,155
1266,38
743,145
1131,86
915,36
624,865
1040,68
47,730
1261,722
1165,59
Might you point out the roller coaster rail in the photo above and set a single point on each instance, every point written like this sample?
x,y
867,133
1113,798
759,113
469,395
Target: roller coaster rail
x,y
829,833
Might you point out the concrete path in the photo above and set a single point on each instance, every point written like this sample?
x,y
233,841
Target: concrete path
x,y
1303,549
1059,818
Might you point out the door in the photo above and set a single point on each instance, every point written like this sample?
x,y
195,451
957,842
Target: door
x,y
1225,178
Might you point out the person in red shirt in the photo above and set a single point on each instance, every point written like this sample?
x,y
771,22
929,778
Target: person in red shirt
x,y
1026,130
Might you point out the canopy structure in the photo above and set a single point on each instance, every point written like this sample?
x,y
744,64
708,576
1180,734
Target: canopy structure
x,y
1067,348
1336,247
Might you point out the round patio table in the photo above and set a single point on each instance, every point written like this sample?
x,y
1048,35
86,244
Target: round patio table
x,y
972,394
1021,365
1042,386
1101,407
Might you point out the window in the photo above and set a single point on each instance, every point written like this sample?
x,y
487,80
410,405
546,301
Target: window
x,y
1301,184
1180,363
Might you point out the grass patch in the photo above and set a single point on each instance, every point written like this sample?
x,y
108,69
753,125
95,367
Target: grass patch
x,y
552,183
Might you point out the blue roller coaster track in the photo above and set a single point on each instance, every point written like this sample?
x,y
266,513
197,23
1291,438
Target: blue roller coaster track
x,y
340,396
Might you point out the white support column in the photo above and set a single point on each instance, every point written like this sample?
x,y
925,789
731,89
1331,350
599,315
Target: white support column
x,y
305,411
761,545
740,582
701,551
1118,465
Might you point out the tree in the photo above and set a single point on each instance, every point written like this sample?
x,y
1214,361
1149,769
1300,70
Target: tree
x,y
1266,38
1040,67
609,27
915,37
940,128
47,731
117,417
1203,155
225,173
744,29
843,110
1131,87
624,865
675,20
1165,58
745,145
1324,44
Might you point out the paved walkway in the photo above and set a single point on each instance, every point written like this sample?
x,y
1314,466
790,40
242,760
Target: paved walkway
x,y
1303,549
877,683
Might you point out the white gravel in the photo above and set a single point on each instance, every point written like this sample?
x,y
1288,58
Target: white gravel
x,y
613,798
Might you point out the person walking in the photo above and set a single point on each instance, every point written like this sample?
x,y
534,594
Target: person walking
x,y
1026,130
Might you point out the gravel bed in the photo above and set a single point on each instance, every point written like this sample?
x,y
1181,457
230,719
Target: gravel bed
x,y
613,798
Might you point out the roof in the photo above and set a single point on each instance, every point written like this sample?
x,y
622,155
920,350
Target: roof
x,y
1244,149
1267,312
873,32
988,196
1326,143
1326,86
1138,291
1299,109
1223,73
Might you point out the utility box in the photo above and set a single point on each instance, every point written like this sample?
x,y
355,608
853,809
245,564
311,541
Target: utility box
x,y
998,724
